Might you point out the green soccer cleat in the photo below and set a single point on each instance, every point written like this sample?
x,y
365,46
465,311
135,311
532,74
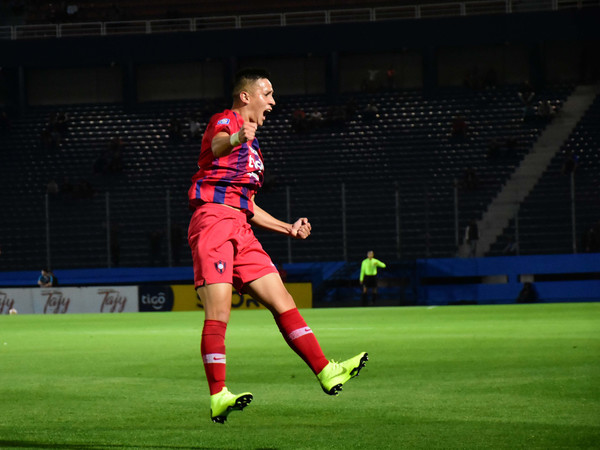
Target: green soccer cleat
x,y
335,374
224,402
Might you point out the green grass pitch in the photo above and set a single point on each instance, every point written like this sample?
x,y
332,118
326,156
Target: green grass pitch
x,y
511,376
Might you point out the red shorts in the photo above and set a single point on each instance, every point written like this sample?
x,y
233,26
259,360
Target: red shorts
x,y
224,248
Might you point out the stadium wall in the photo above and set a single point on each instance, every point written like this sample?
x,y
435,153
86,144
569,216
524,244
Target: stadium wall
x,y
444,281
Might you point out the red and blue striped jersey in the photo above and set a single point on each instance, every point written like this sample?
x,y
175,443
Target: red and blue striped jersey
x,y
232,179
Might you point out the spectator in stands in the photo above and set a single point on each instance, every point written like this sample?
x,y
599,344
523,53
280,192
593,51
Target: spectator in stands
x,y
299,121
472,237
570,163
368,277
473,79
52,187
470,179
528,294
66,187
494,149
511,248
52,14
174,129
115,14
102,163
336,116
51,135
45,139
83,189
71,12
490,79
45,279
17,7
5,123
591,239
371,83
526,95
62,122
595,247
194,126
370,112
390,75
55,138
351,108
115,148
315,119
545,111
510,146
459,127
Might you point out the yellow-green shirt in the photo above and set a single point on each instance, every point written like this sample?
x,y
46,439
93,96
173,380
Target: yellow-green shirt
x,y
369,267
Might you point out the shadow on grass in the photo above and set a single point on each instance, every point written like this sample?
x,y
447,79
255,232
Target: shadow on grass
x,y
33,444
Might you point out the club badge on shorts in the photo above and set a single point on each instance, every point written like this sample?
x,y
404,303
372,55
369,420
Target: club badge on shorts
x,y
220,266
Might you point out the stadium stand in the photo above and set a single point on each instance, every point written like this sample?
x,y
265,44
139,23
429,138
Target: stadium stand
x,y
545,217
393,171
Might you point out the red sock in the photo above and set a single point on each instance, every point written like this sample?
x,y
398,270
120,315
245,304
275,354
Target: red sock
x,y
213,354
301,339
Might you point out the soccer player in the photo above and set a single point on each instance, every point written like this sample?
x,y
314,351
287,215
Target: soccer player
x,y
226,253
368,277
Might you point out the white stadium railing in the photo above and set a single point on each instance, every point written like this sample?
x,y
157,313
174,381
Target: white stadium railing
x,y
419,11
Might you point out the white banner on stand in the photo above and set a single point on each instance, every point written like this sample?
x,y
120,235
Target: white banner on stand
x,y
57,301
17,299
70,300
112,299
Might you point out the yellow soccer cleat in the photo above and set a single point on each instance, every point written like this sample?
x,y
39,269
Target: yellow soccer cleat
x,y
335,374
224,402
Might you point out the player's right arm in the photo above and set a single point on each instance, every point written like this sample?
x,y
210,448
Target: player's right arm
x,y
362,272
223,143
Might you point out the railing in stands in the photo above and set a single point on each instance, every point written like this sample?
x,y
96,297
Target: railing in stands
x,y
469,8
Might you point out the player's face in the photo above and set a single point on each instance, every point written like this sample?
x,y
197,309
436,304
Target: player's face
x,y
261,101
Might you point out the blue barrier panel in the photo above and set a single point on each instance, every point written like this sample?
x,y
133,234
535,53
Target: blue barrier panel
x,y
442,281
79,277
556,278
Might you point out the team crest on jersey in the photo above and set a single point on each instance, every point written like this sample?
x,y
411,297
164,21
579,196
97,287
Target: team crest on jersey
x,y
223,122
220,266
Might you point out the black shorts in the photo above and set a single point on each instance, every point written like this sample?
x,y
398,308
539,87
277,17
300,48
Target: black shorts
x,y
370,281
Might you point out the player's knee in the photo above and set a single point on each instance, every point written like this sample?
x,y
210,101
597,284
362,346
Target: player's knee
x,y
284,302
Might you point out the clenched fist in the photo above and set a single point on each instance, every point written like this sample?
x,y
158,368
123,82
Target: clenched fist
x,y
247,132
301,228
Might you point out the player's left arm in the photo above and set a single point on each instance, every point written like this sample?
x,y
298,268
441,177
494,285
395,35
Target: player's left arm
x,y
299,229
379,263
